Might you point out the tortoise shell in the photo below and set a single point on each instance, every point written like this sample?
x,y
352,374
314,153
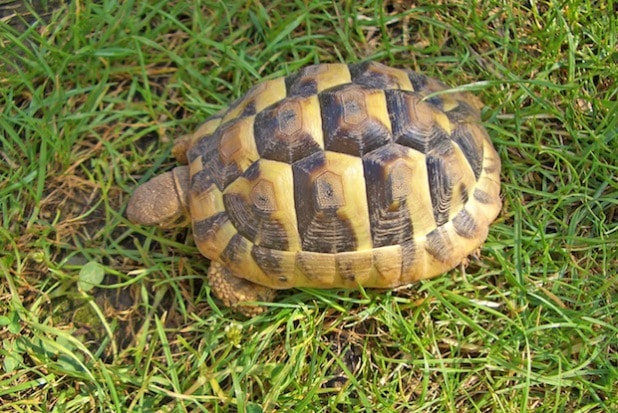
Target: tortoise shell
x,y
341,175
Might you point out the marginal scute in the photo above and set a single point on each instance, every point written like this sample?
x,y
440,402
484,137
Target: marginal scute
x,y
379,76
206,203
413,266
200,180
316,268
469,139
236,251
387,262
461,176
431,86
491,161
213,234
465,224
439,245
206,129
186,148
464,194
437,102
311,80
354,267
257,99
463,112
419,81
482,196
279,265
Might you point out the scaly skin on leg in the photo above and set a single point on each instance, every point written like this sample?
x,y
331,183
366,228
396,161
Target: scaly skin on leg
x,y
234,290
181,146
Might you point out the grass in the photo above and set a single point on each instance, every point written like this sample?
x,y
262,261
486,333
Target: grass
x,y
91,97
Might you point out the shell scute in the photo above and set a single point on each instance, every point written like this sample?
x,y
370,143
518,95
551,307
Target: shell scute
x,y
289,130
378,76
355,119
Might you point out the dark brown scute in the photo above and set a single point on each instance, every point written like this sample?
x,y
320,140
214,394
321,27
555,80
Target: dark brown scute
x,y
482,196
465,225
439,244
316,201
436,102
197,148
421,134
279,133
463,190
249,110
408,256
255,224
303,171
236,250
302,83
200,148
470,148
220,154
464,112
347,123
372,75
252,217
200,182
249,104
269,262
389,215
440,188
325,232
205,229
418,80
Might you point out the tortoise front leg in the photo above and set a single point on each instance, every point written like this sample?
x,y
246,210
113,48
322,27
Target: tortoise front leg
x,y
235,291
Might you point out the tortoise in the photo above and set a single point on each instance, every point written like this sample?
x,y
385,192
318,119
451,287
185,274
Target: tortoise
x,y
337,176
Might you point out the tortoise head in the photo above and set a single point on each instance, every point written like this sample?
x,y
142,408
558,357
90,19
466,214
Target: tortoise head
x,y
162,201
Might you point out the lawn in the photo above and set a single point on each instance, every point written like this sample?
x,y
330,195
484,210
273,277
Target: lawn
x,y
98,314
